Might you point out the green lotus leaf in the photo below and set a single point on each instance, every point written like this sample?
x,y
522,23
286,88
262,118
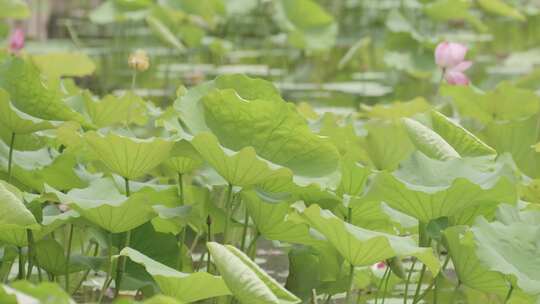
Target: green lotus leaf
x,y
308,25
172,220
470,270
70,64
497,105
114,110
243,168
9,295
22,80
161,299
253,107
45,292
19,122
274,129
246,280
353,178
397,109
429,142
419,190
386,154
13,212
104,205
34,168
184,157
510,246
51,257
499,7
465,143
127,156
185,287
362,247
16,9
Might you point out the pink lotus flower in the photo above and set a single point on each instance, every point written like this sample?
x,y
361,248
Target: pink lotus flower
x,y
16,41
450,57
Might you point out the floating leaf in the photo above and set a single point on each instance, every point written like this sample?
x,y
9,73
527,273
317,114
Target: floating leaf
x,y
71,64
247,281
185,287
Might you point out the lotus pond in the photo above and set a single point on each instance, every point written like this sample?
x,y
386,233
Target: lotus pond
x,y
270,151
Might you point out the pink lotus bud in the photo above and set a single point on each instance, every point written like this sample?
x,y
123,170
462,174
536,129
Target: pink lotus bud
x,y
450,54
456,78
16,41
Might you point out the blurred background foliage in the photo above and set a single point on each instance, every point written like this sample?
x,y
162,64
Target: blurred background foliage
x,y
331,53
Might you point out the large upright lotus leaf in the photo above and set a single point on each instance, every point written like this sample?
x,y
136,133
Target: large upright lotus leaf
x,y
186,287
184,157
308,25
71,64
506,102
421,191
51,257
104,205
19,122
127,156
243,168
13,212
22,80
362,247
463,141
46,292
353,177
397,109
34,168
191,110
113,110
516,137
499,7
273,128
470,271
510,246
429,142
387,154
246,280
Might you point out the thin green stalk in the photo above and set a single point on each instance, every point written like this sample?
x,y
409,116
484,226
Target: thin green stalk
x,y
134,80
252,248
121,264
244,231
208,239
181,187
194,242
509,294
351,269
434,281
68,255
20,275
10,155
383,279
86,273
31,257
181,238
386,285
408,280
228,207
108,277
419,284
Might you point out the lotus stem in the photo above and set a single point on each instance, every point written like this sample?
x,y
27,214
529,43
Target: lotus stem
x,y
68,255
383,279
244,231
10,156
351,269
31,257
228,208
134,80
509,294
208,239
87,272
386,285
434,282
108,277
121,264
407,281
181,187
20,274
